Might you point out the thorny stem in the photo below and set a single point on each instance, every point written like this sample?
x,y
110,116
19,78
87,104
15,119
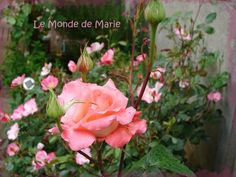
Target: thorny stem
x,y
100,163
152,54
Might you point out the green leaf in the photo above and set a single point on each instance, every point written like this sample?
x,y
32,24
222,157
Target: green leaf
x,y
178,72
209,30
26,9
210,17
160,157
11,20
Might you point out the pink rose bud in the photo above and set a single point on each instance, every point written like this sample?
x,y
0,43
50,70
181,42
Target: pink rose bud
x,y
95,47
72,66
17,81
49,82
53,130
3,116
40,146
107,58
12,149
181,34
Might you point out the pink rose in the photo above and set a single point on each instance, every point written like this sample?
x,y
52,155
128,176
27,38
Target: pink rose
x,y
99,114
95,47
157,73
30,107
41,158
18,81
49,82
12,133
46,69
214,96
183,84
37,165
80,159
151,94
54,130
139,59
180,33
18,113
72,66
3,116
12,149
51,156
107,58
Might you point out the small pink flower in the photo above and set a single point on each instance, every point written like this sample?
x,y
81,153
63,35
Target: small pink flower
x,y
41,156
214,96
49,82
3,116
46,69
51,156
80,159
53,130
183,84
107,58
157,73
95,47
37,165
180,33
30,107
40,146
12,149
18,113
17,81
139,59
72,66
12,133
151,94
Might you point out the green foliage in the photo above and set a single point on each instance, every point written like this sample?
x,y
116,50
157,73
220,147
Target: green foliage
x,y
160,158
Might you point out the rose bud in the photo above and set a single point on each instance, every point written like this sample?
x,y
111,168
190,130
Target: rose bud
x,y
85,63
154,12
54,108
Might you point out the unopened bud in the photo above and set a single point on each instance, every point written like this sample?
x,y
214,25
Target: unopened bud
x,y
85,63
154,12
54,108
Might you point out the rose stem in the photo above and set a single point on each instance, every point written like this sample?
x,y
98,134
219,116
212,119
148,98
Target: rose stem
x,y
152,54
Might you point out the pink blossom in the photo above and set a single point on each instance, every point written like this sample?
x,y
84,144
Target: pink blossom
x,y
180,33
72,66
12,149
46,69
157,73
139,59
103,115
214,96
40,146
49,82
95,47
51,156
38,165
80,159
24,110
12,133
183,84
41,158
18,113
17,81
151,94
3,116
30,107
107,58
53,130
